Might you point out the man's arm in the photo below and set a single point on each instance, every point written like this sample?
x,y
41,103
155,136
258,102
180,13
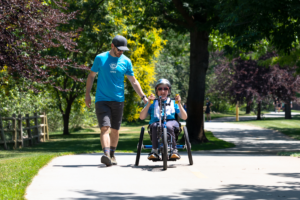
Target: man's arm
x,y
137,87
89,84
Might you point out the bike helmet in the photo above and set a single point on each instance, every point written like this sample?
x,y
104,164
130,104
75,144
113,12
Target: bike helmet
x,y
163,81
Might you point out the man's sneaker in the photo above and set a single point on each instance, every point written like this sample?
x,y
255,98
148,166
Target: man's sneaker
x,y
153,156
175,155
113,160
106,160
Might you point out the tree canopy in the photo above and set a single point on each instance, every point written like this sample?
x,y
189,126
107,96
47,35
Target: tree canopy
x,y
28,28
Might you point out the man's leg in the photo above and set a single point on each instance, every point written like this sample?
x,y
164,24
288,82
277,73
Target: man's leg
x,y
116,120
114,139
103,115
105,139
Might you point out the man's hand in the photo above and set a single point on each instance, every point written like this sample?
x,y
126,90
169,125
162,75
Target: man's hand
x,y
145,100
88,100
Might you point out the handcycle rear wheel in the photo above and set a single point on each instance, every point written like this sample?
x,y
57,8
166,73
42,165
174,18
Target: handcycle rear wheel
x,y
165,149
188,145
137,160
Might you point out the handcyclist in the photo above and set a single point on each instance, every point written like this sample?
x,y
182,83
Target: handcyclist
x,y
162,89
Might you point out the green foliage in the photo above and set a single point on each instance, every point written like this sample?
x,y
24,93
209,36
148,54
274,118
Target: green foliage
x,y
250,22
144,45
173,63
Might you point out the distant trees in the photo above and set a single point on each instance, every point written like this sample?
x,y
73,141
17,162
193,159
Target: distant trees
x,y
285,85
244,80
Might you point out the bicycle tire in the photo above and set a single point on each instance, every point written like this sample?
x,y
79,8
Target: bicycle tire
x,y
165,149
139,149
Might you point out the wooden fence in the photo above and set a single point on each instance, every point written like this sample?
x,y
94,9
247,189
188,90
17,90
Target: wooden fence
x,y
23,131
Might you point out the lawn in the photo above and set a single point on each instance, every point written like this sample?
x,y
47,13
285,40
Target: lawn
x,y
229,114
18,167
289,127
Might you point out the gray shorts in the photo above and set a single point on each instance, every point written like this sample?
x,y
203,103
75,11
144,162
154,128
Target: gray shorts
x,y
109,113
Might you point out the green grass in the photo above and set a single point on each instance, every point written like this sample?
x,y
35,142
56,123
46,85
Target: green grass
x,y
18,167
293,154
229,114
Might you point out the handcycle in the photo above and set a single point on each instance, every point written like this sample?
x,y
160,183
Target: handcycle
x,y
165,140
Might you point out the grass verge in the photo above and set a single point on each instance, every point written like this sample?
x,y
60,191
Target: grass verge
x,y
229,114
18,167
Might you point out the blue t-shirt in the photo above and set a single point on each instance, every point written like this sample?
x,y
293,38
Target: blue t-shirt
x,y
155,119
111,71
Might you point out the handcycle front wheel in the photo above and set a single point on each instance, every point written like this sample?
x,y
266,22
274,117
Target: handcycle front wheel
x,y
139,149
165,149
188,145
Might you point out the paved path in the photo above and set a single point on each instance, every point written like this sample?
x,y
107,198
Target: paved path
x,y
251,139
246,118
248,171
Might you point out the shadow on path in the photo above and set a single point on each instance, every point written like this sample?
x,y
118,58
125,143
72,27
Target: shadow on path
x,y
229,192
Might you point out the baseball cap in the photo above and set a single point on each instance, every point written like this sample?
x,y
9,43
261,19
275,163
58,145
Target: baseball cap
x,y
120,42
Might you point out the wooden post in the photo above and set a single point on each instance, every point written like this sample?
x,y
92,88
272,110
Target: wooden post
x,y
36,125
20,130
47,127
15,132
29,130
44,128
2,133
237,111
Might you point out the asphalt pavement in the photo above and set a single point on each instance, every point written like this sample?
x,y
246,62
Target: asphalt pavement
x,y
251,170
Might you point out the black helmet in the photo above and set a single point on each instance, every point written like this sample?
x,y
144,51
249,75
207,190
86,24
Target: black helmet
x,y
164,82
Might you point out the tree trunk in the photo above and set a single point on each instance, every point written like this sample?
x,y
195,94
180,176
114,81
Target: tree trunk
x,y
248,108
198,65
258,111
66,117
287,109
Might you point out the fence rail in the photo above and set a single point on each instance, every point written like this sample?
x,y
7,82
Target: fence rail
x,y
12,131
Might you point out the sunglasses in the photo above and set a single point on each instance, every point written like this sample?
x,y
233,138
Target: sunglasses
x,y
160,89
118,49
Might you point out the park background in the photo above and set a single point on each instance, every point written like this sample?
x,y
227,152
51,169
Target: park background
x,y
231,52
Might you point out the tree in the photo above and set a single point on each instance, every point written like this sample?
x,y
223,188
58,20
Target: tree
x,y
251,22
243,80
197,19
145,47
285,85
91,19
173,62
28,28
246,80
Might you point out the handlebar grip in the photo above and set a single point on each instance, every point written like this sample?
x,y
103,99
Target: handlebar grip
x,y
151,101
176,96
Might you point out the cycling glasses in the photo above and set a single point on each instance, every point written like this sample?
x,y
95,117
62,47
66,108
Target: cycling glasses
x,y
161,88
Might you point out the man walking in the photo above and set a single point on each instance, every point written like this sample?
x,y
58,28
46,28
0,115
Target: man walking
x,y
111,67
